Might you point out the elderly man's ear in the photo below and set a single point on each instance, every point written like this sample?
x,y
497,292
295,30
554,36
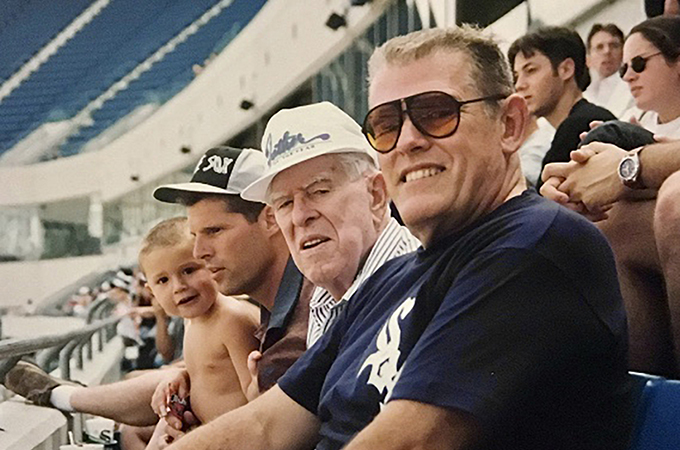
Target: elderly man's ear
x,y
515,118
379,200
268,221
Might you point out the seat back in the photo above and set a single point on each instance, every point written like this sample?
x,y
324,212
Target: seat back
x,y
657,422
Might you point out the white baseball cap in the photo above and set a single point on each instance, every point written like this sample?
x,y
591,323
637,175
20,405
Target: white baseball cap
x,y
221,170
296,135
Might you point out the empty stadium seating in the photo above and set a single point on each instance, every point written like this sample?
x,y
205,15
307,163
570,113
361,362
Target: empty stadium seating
x,y
123,35
27,25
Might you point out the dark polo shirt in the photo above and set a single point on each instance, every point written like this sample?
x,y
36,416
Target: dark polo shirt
x,y
283,331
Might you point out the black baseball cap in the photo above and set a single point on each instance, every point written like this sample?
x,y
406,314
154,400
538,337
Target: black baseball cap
x,y
221,170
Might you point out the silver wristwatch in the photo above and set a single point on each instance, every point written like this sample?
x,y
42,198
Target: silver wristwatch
x,y
630,170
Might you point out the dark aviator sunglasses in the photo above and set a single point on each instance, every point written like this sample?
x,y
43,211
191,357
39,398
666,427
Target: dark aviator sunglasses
x,y
433,113
638,64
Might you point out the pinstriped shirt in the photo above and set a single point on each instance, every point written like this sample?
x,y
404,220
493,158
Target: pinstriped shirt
x,y
395,240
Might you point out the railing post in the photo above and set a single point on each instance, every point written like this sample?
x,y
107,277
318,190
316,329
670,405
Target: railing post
x,y
79,354
99,312
65,359
100,341
44,357
95,310
88,346
110,332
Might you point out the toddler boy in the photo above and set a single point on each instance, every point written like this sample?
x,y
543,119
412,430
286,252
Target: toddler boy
x,y
219,330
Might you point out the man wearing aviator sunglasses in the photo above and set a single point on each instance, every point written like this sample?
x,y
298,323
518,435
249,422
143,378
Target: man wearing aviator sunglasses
x,y
476,339
435,114
447,131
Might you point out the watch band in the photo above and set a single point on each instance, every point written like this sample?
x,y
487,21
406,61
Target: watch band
x,y
633,181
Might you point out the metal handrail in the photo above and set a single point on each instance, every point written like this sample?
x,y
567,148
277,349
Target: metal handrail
x,y
19,347
11,350
96,308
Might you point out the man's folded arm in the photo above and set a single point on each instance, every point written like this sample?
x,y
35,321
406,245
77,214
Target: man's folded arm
x,y
411,425
271,422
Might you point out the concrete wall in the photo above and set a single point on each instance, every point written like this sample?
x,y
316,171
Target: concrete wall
x,y
36,280
30,427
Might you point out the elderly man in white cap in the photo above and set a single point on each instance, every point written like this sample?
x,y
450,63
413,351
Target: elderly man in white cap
x,y
330,201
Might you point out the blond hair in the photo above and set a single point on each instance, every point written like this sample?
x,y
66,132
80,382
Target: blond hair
x,y
168,233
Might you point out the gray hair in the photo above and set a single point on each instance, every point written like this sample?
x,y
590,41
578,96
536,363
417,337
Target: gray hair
x,y
490,75
356,165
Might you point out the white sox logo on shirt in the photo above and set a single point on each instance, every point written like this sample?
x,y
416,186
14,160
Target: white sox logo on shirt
x,y
383,363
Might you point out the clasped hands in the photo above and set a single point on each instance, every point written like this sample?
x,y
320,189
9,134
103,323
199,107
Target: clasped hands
x,y
588,184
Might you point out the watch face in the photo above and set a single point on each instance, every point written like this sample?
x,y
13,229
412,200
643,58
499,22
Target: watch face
x,y
627,168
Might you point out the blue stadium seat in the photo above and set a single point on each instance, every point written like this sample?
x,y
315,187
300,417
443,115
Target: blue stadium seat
x,y
657,423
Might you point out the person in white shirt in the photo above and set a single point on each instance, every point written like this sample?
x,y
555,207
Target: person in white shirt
x,y
653,74
539,135
635,194
605,53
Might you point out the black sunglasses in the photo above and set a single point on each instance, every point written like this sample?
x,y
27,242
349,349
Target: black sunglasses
x,y
638,64
433,113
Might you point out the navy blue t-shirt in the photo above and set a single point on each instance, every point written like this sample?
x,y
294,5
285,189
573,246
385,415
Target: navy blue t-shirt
x,y
517,320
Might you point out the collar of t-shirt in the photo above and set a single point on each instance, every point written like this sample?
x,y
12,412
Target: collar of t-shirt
x,y
579,104
650,120
445,242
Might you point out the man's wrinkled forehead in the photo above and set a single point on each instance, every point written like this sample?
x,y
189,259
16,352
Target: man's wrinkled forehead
x,y
455,67
306,175
300,185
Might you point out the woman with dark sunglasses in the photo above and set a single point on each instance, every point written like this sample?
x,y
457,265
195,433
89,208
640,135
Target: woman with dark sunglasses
x,y
651,67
